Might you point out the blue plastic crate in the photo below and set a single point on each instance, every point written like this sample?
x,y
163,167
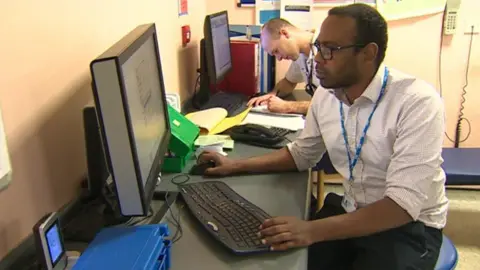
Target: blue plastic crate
x,y
138,247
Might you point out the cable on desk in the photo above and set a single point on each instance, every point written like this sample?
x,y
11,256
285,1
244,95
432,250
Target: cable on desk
x,y
136,221
179,231
178,183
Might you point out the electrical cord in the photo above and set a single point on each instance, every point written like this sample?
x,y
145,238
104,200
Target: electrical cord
x,y
440,63
176,220
462,106
461,117
136,221
195,103
440,54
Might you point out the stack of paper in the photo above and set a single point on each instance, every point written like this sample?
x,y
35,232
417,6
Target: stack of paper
x,y
214,121
213,143
290,122
264,109
218,148
225,140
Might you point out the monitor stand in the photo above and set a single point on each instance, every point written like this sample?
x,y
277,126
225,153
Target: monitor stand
x,y
95,214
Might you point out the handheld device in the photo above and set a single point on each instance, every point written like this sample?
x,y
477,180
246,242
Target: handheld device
x,y
49,243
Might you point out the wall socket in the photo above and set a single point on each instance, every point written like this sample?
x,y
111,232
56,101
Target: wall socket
x,y
468,28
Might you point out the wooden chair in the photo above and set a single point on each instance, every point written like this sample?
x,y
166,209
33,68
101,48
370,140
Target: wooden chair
x,y
323,171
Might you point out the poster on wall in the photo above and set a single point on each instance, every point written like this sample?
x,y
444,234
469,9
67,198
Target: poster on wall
x,y
316,3
182,7
245,3
298,12
401,9
266,10
331,3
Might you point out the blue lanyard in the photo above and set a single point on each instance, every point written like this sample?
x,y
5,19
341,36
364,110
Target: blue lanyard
x,y
352,163
310,87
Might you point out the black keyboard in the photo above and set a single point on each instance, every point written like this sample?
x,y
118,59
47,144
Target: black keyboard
x,y
234,103
280,132
226,215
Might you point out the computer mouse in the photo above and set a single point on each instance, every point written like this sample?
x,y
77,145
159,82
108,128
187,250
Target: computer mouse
x,y
199,169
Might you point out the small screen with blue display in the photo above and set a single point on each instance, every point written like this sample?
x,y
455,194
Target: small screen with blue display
x,y
54,243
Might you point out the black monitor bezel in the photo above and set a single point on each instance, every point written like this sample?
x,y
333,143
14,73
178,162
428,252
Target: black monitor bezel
x,y
146,191
209,48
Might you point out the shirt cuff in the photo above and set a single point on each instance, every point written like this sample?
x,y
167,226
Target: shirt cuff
x,y
301,162
410,201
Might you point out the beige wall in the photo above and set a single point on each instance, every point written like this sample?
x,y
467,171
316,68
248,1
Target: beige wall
x,y
414,48
44,83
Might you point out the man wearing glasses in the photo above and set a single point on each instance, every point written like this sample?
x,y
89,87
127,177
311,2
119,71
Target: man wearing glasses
x,y
285,41
383,131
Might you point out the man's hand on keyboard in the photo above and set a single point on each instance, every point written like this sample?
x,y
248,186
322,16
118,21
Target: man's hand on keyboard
x,y
278,105
282,233
260,100
223,165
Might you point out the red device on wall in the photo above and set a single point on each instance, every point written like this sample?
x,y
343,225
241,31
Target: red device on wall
x,y
186,35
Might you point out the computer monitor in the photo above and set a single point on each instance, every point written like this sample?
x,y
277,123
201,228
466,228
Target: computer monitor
x,y
217,46
215,53
131,108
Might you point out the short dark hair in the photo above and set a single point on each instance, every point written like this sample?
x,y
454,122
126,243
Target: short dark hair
x,y
371,26
274,25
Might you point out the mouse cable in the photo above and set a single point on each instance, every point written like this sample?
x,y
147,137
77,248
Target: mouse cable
x,y
176,220
137,221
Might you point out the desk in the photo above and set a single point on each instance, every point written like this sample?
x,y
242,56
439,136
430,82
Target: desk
x,y
278,194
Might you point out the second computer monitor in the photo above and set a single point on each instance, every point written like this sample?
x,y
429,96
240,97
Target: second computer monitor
x,y
217,43
131,107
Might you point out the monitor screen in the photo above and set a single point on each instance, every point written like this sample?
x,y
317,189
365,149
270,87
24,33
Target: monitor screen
x,y
132,114
55,247
144,97
221,44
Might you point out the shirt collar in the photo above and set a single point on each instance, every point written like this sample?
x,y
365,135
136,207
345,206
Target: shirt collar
x,y
373,90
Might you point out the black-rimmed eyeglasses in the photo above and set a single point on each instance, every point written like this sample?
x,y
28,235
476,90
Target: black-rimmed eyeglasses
x,y
327,51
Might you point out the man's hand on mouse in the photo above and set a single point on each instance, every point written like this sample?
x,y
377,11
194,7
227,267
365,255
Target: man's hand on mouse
x,y
223,165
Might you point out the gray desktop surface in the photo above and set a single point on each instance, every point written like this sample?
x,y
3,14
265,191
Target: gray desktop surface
x,y
277,193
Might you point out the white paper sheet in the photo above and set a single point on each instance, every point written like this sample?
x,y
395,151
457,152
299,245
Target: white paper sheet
x,y
290,123
263,109
218,148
